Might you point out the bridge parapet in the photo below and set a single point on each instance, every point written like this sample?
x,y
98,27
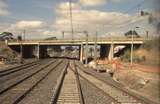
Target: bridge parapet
x,y
80,40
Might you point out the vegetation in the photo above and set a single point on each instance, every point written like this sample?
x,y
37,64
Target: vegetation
x,y
10,56
130,33
152,44
136,58
6,36
51,38
147,54
8,53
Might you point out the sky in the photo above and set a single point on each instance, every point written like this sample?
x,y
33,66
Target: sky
x,y
48,18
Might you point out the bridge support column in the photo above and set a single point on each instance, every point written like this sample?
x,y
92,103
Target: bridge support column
x,y
111,52
81,53
38,51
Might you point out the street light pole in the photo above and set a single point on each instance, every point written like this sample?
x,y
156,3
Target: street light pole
x,y
24,34
132,46
95,49
62,34
132,51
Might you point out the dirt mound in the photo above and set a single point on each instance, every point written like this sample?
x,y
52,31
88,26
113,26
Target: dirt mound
x,y
140,82
7,52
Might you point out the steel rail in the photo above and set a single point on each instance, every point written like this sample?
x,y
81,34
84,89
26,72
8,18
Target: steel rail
x,y
59,85
78,82
39,81
25,78
137,97
80,76
16,69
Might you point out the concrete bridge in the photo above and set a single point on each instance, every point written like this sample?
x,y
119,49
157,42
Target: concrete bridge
x,y
38,48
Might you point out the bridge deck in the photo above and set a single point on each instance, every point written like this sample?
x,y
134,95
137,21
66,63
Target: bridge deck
x,y
78,42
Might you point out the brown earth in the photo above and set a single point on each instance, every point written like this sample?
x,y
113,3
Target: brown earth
x,y
140,81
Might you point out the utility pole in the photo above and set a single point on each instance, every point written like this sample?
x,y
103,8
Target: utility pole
x,y
86,53
132,51
95,49
132,47
62,34
24,33
21,50
71,18
147,34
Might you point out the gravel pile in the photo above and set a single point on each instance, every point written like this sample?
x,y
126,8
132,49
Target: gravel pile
x,y
93,95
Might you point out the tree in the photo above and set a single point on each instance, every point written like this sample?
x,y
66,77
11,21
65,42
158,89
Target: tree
x,y
6,36
19,38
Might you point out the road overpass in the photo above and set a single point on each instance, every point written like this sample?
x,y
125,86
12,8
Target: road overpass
x,y
78,41
27,47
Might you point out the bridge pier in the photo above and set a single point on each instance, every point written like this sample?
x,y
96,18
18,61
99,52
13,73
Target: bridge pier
x,y
111,52
81,49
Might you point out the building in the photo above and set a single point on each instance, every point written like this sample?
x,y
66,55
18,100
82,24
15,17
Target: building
x,y
130,33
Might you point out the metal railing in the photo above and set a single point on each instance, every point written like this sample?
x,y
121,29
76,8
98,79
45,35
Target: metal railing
x,y
82,40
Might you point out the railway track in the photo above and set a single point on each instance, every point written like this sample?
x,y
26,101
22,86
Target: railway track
x,y
12,78
71,85
68,90
17,68
118,95
16,92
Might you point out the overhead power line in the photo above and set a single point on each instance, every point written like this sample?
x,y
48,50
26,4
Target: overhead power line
x,y
71,17
137,6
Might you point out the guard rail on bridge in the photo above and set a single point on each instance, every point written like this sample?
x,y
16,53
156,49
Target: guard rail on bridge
x,y
81,41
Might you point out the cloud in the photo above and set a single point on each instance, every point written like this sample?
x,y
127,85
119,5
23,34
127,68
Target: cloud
x,y
91,18
28,24
3,8
92,2
34,29
96,20
117,1
65,6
